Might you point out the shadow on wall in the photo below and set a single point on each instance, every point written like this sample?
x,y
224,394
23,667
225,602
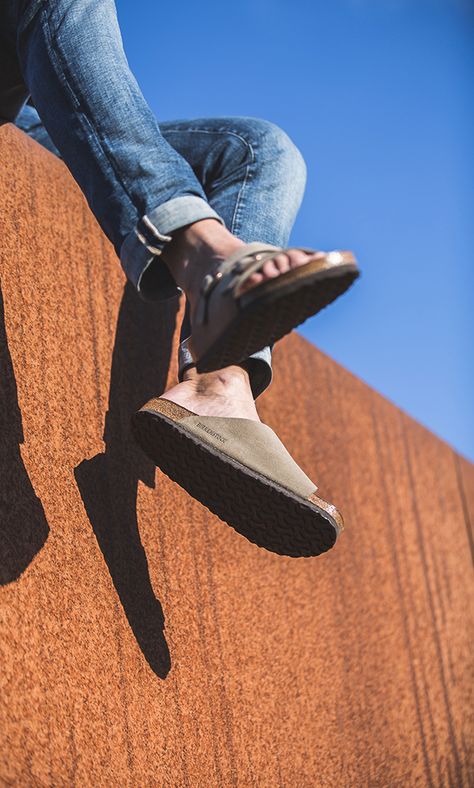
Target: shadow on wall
x,y
108,482
23,525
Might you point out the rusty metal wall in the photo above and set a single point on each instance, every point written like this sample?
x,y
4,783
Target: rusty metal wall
x,y
143,641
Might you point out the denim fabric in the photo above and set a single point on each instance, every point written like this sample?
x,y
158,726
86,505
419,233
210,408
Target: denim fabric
x,y
142,180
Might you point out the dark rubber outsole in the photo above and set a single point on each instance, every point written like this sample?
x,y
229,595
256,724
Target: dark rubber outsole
x,y
271,316
262,511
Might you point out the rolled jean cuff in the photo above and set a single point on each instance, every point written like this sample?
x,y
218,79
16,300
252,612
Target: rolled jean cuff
x,y
142,247
258,365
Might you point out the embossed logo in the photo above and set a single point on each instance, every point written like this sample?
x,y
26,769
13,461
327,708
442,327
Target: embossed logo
x,y
211,432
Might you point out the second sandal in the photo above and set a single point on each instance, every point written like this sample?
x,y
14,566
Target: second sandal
x,y
242,472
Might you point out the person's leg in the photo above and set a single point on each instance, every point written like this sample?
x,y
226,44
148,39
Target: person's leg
x,y
254,177
138,185
140,189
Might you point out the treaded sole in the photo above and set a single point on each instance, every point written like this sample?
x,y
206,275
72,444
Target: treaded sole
x,y
272,316
262,511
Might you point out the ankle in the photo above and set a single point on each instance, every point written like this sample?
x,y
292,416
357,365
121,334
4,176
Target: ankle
x,y
194,249
230,381
224,393
202,234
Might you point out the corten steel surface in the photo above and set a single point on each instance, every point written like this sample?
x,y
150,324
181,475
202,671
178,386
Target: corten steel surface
x,y
349,669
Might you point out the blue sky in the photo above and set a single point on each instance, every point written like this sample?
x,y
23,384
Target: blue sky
x,y
377,94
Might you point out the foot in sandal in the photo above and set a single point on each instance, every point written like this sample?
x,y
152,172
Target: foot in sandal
x,y
245,296
205,434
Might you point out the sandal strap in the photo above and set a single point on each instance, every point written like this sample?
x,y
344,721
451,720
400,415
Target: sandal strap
x,y
242,257
239,266
240,262
247,267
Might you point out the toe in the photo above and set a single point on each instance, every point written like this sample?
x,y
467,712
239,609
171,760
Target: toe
x,y
270,269
298,258
282,263
254,279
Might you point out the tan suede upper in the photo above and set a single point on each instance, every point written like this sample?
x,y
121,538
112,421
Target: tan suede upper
x,y
255,445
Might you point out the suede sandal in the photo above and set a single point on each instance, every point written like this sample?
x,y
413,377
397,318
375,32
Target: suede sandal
x,y
229,325
241,471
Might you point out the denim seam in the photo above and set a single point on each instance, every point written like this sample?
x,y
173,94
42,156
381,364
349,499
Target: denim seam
x,y
217,131
247,166
58,61
238,201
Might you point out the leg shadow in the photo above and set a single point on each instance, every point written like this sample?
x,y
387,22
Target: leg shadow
x,y
23,525
108,482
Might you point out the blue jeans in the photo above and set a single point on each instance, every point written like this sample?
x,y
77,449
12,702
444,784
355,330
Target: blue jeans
x,y
142,180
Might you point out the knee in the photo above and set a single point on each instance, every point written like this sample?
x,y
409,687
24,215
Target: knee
x,y
274,146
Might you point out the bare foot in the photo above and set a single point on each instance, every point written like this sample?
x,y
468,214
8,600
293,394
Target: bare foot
x,y
226,392
197,248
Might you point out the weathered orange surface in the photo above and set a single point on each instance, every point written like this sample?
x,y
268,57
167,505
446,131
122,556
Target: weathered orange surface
x,y
144,642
